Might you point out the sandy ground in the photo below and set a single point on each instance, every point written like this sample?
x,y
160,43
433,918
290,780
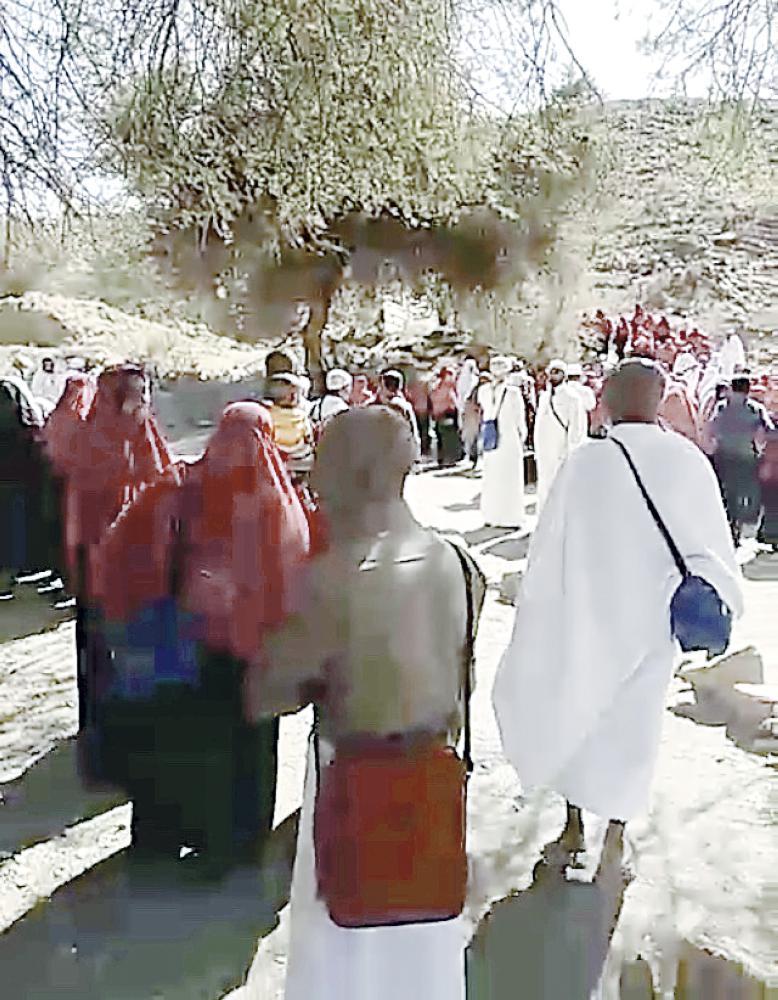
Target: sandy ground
x,y
705,857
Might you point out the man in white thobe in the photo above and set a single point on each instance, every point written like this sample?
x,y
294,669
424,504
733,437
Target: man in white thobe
x,y
335,400
575,380
47,384
581,689
560,427
733,357
502,493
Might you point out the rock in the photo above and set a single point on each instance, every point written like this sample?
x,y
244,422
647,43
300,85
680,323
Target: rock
x,y
754,705
714,683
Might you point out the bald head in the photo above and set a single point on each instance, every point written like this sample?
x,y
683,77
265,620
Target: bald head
x,y
633,392
363,457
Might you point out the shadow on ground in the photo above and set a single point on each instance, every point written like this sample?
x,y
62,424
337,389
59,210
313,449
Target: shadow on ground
x,y
511,549
132,930
700,976
763,567
482,535
462,508
30,613
550,941
48,798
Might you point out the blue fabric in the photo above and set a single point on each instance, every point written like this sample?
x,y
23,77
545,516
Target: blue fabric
x,y
157,647
490,435
700,620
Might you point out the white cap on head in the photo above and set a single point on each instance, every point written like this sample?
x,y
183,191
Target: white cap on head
x,y
557,365
500,366
337,380
575,370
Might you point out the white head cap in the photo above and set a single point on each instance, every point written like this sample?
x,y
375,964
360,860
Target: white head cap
x,y
557,365
575,370
501,366
337,380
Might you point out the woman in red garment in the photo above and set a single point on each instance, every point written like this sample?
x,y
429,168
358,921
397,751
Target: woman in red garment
x,y
225,548
63,426
117,450
60,438
444,406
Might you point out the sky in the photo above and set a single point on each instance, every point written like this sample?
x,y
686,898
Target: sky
x,y
605,36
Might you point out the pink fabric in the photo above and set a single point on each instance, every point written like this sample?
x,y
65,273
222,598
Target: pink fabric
x,y
115,454
443,395
247,535
65,422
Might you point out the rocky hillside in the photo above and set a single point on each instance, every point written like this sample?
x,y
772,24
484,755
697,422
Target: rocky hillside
x,y
33,323
686,216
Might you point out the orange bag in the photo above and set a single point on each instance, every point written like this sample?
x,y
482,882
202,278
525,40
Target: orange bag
x,y
389,823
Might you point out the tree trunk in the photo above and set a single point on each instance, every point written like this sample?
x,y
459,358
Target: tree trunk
x,y
312,342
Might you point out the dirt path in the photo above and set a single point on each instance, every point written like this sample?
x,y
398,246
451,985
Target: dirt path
x,y
706,856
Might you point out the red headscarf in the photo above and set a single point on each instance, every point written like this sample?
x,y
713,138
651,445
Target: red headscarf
x,y
244,538
116,453
443,395
246,533
65,421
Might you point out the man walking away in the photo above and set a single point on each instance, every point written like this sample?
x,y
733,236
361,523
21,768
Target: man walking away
x,y
502,496
47,385
390,393
335,400
739,431
580,692
560,426
576,382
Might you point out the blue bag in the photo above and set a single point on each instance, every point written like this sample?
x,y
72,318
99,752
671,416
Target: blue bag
x,y
158,646
155,648
699,619
490,430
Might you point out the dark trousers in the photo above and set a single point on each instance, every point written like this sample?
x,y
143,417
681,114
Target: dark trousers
x,y
740,488
423,423
198,774
449,441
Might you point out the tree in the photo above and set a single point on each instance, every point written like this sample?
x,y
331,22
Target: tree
x,y
308,145
731,43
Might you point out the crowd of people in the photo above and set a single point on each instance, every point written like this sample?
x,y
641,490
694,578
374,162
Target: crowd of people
x,y
282,567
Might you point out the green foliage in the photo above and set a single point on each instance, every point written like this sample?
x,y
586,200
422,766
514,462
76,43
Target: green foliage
x,y
319,107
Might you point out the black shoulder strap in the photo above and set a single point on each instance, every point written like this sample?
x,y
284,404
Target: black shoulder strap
x,y
683,569
176,567
469,655
496,417
559,420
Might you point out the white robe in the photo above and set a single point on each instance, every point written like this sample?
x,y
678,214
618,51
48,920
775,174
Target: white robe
x,y
733,356
588,397
327,962
555,440
502,492
467,380
580,692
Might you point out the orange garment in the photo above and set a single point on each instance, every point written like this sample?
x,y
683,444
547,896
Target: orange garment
x,y
64,423
443,395
115,454
243,538
246,533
